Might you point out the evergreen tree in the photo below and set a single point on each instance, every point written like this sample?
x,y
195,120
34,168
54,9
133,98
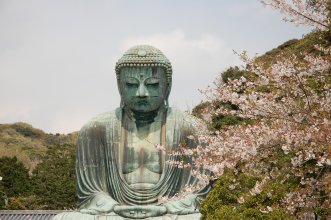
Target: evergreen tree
x,y
15,180
54,178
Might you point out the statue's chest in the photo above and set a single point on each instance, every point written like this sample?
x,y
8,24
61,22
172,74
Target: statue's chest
x,y
141,159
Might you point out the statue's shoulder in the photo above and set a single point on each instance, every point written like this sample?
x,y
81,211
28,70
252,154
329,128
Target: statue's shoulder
x,y
183,117
103,119
179,114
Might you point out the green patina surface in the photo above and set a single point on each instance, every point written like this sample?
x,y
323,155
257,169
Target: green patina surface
x,y
119,169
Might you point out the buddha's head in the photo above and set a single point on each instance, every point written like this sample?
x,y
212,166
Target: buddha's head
x,y
144,79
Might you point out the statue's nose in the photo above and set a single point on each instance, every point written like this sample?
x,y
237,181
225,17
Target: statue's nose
x,y
142,91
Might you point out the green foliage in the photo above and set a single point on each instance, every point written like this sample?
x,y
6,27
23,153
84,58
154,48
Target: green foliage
x,y
15,179
287,44
27,130
279,176
222,201
233,73
20,140
14,176
296,47
29,144
21,203
54,178
221,121
324,213
52,139
197,111
37,168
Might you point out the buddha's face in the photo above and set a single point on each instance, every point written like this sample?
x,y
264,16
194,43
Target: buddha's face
x,y
143,89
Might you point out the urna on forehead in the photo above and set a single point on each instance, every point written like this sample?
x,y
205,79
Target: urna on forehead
x,y
144,56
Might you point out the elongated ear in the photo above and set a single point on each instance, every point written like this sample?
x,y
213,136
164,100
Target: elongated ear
x,y
167,94
119,85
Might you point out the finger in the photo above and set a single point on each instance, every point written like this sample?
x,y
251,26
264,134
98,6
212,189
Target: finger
x,y
89,211
105,208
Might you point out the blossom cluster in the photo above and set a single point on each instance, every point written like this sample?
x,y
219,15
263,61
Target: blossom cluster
x,y
314,13
289,105
286,105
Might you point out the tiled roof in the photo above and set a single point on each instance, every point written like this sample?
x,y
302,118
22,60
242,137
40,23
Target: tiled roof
x,y
28,214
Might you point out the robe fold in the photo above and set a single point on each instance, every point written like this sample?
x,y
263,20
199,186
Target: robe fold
x,y
98,170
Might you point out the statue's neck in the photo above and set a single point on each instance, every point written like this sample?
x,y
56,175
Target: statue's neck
x,y
145,118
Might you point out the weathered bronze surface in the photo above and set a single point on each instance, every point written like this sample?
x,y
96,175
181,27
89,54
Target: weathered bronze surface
x,y
119,169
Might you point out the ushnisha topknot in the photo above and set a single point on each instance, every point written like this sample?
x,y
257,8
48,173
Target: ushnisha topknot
x,y
144,55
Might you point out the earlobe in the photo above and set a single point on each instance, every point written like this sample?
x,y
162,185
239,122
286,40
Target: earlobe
x,y
168,90
166,100
119,87
166,103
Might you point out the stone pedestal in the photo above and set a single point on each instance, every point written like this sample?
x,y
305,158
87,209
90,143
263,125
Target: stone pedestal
x,y
113,216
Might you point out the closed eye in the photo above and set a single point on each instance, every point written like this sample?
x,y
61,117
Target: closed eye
x,y
152,82
131,82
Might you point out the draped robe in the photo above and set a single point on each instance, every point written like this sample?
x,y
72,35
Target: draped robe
x,y
98,170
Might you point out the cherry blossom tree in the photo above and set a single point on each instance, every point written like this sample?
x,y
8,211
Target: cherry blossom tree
x,y
287,107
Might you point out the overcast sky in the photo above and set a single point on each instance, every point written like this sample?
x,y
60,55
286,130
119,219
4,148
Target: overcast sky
x,y
57,57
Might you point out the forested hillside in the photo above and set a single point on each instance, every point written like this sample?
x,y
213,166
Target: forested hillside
x,y
37,169
29,144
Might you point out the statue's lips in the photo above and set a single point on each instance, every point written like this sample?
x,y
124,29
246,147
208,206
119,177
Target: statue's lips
x,y
146,101
142,102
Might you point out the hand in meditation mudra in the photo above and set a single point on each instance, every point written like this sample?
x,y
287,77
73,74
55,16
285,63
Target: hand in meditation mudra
x,y
118,167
